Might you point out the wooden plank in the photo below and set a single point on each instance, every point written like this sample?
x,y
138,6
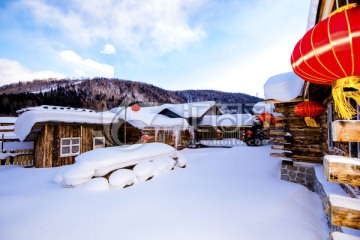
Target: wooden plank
x,y
277,132
278,147
344,211
342,169
346,130
342,236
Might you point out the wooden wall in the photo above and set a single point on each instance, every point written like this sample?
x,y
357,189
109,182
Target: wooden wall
x,y
305,143
47,144
210,133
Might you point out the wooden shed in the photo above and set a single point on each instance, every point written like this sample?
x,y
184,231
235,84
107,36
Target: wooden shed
x,y
60,134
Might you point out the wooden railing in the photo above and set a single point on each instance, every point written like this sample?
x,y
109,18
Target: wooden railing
x,y
18,157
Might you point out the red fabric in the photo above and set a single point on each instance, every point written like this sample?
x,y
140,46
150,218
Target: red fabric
x,y
309,109
330,50
266,117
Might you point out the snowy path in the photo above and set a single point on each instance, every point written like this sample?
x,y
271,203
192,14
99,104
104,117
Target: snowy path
x,y
224,193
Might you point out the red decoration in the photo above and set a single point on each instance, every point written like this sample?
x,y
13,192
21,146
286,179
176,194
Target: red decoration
x,y
330,50
135,108
309,109
266,117
329,53
145,137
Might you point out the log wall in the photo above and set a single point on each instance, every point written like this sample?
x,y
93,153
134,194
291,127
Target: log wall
x,y
304,145
47,144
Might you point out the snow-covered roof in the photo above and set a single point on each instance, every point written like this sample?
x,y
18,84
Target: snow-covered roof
x,y
8,120
227,120
148,117
9,136
28,119
283,87
184,110
191,110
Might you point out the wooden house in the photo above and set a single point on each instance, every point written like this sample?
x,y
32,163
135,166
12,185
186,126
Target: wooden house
x,y
218,127
333,141
60,134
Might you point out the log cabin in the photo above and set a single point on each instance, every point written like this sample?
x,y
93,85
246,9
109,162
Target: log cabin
x,y
60,134
226,126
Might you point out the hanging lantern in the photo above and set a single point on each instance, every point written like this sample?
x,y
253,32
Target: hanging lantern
x,y
329,53
266,118
144,138
135,108
308,110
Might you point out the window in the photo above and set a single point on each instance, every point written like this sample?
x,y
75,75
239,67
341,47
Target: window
x,y
69,147
98,142
161,137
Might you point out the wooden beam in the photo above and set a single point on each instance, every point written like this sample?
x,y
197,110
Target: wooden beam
x,y
346,130
277,132
277,147
297,99
344,211
342,236
342,169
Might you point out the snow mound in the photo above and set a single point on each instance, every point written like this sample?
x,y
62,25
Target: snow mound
x,y
109,159
163,165
122,178
144,170
58,175
96,184
181,161
78,173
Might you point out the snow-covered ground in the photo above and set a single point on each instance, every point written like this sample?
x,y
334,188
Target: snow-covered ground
x,y
223,193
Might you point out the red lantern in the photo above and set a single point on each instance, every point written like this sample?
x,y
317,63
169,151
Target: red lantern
x,y
135,108
329,53
309,109
266,117
144,138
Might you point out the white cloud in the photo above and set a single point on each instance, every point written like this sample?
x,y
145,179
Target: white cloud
x,y
157,26
86,67
12,72
108,49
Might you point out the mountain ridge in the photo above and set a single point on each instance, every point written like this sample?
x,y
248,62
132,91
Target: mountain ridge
x,y
103,93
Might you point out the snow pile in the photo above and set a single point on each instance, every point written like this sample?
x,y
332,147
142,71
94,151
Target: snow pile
x,y
27,120
96,184
122,178
228,193
144,170
283,87
181,160
77,174
109,159
163,165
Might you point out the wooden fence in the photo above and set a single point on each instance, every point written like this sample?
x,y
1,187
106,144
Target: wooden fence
x,y
18,157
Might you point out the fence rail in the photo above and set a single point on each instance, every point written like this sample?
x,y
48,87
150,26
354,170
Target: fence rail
x,y
18,157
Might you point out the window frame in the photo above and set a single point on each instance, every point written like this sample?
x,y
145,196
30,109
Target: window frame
x,y
71,145
99,146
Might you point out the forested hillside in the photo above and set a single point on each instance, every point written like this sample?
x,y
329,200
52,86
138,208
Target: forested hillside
x,y
101,94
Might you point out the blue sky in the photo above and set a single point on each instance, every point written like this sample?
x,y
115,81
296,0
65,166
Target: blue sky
x,y
223,45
